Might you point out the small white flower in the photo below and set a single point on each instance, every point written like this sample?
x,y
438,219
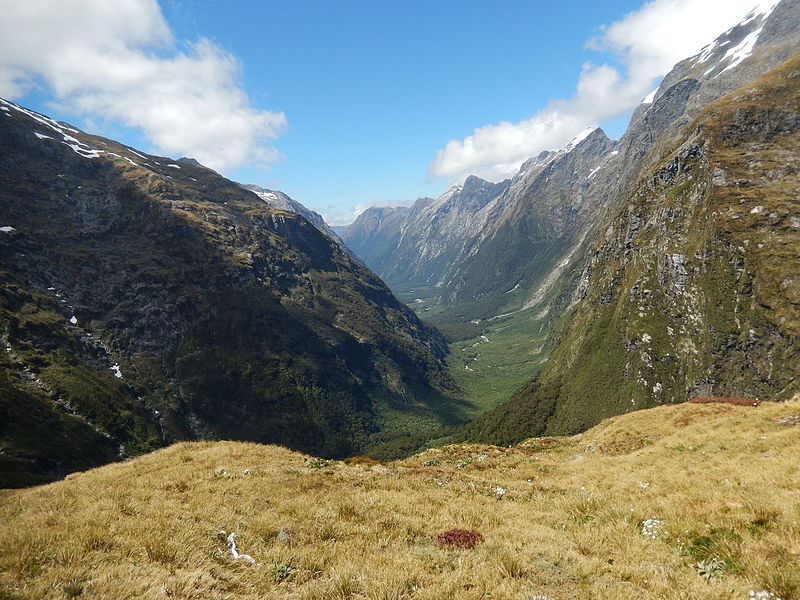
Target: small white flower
x,y
644,485
654,529
499,492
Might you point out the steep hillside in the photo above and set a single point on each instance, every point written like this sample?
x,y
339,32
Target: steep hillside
x,y
669,256
278,199
486,248
691,290
375,234
145,301
689,501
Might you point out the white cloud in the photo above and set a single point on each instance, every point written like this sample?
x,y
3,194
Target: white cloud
x,y
647,43
118,60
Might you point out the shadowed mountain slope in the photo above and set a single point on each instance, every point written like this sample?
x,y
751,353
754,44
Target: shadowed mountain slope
x,y
145,301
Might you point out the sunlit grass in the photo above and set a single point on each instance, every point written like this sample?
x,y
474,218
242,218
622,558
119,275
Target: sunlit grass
x,y
722,481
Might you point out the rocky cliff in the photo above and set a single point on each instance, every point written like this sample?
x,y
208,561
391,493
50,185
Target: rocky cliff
x,y
686,285
278,199
145,300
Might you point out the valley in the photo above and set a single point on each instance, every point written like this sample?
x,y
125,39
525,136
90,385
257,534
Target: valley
x,y
577,380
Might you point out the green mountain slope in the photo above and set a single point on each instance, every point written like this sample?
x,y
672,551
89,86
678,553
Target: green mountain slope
x,y
144,301
692,288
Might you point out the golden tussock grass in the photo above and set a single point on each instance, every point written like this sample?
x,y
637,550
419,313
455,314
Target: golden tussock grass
x,y
716,487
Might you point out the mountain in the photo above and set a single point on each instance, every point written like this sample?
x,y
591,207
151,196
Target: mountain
x,y
375,235
508,249
145,301
675,502
473,245
280,200
686,284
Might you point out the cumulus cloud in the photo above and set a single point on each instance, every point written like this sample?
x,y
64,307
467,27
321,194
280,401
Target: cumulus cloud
x,y
119,61
646,43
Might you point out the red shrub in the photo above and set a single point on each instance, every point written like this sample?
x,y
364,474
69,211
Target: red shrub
x,y
459,538
719,400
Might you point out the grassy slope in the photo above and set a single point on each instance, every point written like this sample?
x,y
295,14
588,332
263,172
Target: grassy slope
x,y
723,479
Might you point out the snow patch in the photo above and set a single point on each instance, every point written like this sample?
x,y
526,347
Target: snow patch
x,y
650,97
7,229
117,372
42,136
579,138
594,172
174,166
266,196
763,8
124,157
73,319
77,146
742,50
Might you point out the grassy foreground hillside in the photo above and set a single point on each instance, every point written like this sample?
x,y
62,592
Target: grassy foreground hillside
x,y
675,502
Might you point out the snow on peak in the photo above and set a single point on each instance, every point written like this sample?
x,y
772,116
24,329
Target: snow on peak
x,y
7,229
451,192
650,97
742,50
579,138
763,8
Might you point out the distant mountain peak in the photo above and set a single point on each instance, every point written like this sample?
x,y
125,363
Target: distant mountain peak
x,y
280,200
575,142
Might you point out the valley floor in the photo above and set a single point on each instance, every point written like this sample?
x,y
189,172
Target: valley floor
x,y
677,502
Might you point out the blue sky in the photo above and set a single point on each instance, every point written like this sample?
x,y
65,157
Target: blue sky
x,y
347,103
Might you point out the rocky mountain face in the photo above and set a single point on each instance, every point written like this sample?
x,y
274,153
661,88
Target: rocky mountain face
x,y
513,249
278,199
145,300
687,285
418,246
473,245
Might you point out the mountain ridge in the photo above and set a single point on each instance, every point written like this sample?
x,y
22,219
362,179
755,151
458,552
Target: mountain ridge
x,y
146,301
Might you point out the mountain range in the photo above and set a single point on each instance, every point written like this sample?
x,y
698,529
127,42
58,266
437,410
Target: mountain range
x,y
664,264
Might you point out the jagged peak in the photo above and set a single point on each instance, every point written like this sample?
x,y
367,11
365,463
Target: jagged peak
x,y
578,139
473,181
732,47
